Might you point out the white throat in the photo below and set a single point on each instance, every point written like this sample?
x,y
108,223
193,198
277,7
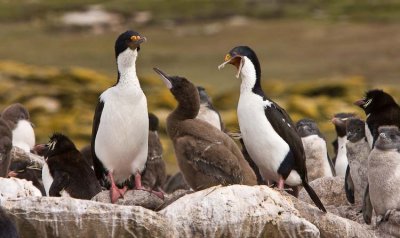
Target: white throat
x,y
248,75
126,63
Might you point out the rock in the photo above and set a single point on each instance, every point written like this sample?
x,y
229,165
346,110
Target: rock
x,y
69,217
237,211
329,189
232,211
18,154
17,188
331,225
170,198
132,198
391,227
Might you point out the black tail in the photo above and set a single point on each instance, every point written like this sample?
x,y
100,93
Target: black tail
x,y
314,196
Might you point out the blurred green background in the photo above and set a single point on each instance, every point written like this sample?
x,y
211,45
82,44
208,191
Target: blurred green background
x,y
317,57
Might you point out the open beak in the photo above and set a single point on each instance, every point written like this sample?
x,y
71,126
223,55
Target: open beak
x,y
236,60
164,77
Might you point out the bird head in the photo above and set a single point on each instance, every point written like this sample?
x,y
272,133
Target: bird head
x,y
15,112
128,40
58,144
306,127
355,129
237,57
389,138
184,92
374,100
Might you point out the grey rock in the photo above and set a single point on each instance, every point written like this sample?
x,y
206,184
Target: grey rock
x,y
132,198
329,189
69,217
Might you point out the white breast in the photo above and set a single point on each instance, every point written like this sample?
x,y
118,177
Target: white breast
x,y
122,137
264,145
47,178
209,116
341,158
23,135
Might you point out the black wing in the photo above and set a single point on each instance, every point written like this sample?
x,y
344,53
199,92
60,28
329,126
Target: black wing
x,y
349,186
284,126
367,206
99,169
60,182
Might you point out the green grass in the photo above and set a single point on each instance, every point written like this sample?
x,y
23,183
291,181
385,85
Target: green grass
x,y
288,50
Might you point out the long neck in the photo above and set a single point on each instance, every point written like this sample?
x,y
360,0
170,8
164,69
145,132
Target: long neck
x,y
250,77
188,108
126,63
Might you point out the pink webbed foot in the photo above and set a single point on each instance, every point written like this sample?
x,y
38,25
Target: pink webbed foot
x,y
115,192
138,186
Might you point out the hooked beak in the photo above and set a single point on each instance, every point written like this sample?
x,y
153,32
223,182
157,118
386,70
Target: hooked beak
x,y
236,60
164,77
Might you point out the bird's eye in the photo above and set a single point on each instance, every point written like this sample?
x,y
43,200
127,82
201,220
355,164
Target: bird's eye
x,y
135,38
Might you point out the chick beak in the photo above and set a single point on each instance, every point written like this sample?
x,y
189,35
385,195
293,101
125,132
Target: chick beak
x,y
164,77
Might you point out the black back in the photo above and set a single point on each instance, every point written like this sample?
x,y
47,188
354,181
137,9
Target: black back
x,y
69,170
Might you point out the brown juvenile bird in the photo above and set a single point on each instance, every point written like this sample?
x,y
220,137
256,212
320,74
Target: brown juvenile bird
x,y
206,156
154,175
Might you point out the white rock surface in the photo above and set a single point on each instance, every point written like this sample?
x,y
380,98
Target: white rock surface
x,y
17,188
237,211
69,217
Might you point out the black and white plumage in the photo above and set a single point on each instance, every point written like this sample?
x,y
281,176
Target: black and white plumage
x,y
268,132
317,160
341,161
120,125
5,147
357,153
66,173
154,176
383,174
207,111
18,119
7,226
381,109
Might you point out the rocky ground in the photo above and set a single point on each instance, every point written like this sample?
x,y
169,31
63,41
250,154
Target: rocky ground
x,y
232,211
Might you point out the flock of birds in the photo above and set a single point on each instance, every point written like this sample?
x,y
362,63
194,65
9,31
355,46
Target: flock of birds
x,y
126,153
